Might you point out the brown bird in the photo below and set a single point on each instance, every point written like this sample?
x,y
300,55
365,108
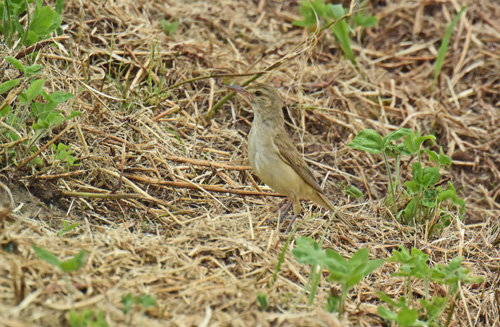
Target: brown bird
x,y
272,154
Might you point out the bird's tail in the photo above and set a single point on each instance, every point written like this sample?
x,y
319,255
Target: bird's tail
x,y
325,203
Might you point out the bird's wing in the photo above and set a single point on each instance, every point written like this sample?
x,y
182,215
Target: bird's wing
x,y
291,156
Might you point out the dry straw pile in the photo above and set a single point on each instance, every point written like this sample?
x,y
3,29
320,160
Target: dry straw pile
x,y
187,222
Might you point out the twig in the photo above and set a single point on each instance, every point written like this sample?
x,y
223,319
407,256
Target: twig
x,y
34,155
207,163
193,186
37,46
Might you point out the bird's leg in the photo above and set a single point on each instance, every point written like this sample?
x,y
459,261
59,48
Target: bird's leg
x,y
284,208
296,211
291,223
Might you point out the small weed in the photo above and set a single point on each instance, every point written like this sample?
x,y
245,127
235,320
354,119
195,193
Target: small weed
x,y
314,11
144,302
67,228
169,28
346,273
29,108
63,153
444,44
87,318
424,199
263,301
428,311
38,25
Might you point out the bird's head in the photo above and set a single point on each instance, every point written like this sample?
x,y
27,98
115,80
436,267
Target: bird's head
x,y
264,98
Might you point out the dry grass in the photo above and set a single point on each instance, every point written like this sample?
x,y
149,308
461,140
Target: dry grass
x,y
205,255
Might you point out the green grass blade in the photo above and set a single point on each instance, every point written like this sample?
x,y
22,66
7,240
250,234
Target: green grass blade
x,y
444,45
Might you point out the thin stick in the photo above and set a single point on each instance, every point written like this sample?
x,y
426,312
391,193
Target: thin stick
x,y
34,155
193,186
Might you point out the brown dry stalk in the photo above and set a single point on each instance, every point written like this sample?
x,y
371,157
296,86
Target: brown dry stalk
x,y
207,163
33,156
194,186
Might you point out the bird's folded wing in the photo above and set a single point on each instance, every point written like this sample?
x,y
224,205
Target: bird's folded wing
x,y
291,156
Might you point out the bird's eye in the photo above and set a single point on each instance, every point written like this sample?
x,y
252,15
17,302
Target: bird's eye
x,y
258,93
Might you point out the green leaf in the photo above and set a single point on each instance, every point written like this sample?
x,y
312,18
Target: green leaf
x,y
308,252
7,86
365,21
147,301
368,140
42,20
341,32
263,301
16,63
74,114
46,256
128,302
444,44
354,192
332,303
386,313
407,317
33,91
74,263
60,97
394,136
410,210
32,70
5,111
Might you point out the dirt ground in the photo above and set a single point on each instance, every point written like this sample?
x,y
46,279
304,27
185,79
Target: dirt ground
x,y
189,223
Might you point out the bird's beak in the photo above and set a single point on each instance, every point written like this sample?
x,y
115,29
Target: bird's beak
x,y
240,90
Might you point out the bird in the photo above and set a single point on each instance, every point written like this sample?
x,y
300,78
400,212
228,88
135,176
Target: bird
x,y
273,156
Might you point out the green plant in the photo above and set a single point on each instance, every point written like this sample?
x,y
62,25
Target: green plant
x,y
86,318
313,11
144,302
169,28
39,24
347,273
263,301
67,228
30,108
63,153
444,44
66,266
427,311
424,198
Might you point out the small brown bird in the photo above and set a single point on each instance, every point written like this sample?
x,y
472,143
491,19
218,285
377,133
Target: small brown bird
x,y
272,154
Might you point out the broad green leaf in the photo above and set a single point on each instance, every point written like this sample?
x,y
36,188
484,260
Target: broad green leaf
x,y
46,256
386,313
410,210
354,192
147,301
5,111
34,90
368,140
32,70
74,114
7,86
128,302
359,257
42,20
16,63
308,252
394,136
60,97
407,317
365,21
74,263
